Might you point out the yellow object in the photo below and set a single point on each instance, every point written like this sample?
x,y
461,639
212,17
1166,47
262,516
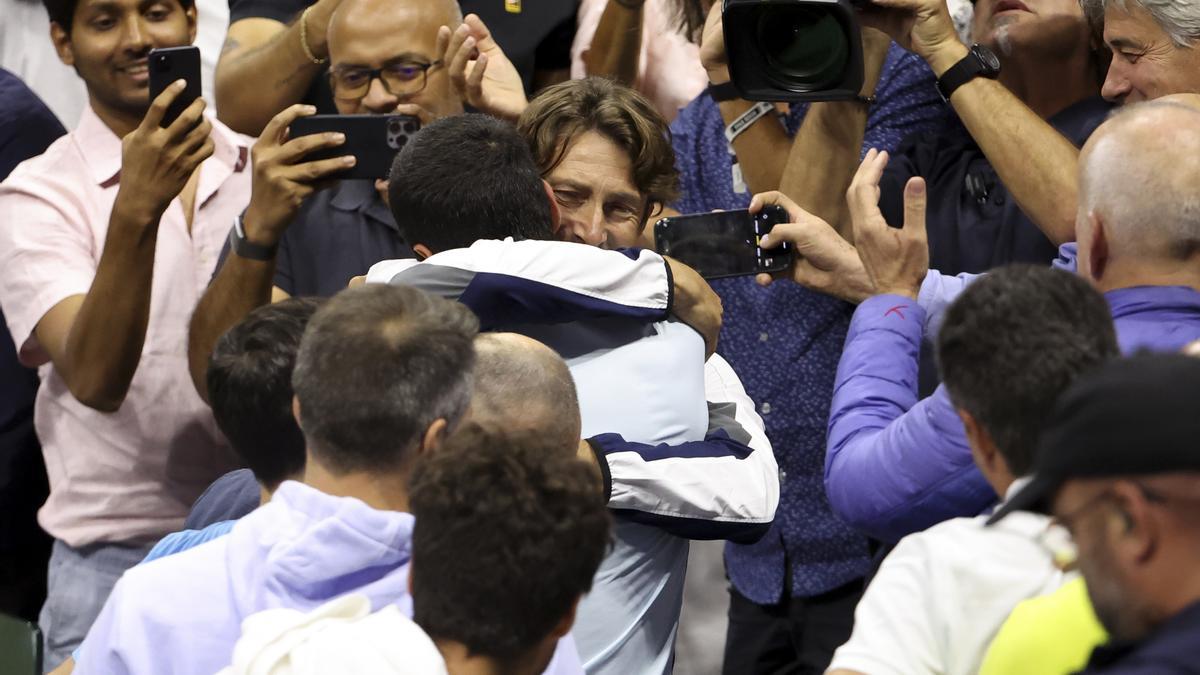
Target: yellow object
x,y
512,6
1048,635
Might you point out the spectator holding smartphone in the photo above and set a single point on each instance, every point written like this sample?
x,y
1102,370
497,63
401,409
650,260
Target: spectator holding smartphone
x,y
113,232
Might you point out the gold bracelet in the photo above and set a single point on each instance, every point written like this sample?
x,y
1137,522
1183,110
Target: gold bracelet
x,y
304,38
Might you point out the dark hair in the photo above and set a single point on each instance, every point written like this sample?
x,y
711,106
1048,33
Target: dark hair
x,y
62,12
377,366
561,113
689,17
510,530
465,178
250,388
1012,342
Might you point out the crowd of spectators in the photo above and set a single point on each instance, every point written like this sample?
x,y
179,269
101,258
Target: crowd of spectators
x,y
260,417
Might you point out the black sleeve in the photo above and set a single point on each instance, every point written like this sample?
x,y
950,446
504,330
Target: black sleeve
x,y
282,11
910,159
554,52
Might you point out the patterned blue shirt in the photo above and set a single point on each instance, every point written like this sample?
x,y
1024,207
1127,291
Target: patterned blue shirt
x,y
784,342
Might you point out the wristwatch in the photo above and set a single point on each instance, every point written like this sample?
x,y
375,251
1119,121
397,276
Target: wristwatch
x,y
245,248
979,62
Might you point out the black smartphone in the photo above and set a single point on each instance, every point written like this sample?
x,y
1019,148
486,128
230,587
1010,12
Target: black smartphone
x,y
724,243
168,65
374,140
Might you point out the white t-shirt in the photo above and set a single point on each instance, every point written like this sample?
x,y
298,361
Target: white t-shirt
x,y
940,597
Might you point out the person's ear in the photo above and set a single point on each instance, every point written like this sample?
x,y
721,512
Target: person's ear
x,y
422,251
62,44
1140,531
296,412
1097,259
555,212
435,435
567,621
190,13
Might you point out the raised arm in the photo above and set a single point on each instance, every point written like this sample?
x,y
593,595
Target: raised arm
x,y
616,47
264,67
758,147
95,340
1036,163
825,151
281,182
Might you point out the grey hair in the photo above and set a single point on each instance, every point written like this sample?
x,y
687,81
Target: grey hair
x,y
1180,20
522,384
1143,181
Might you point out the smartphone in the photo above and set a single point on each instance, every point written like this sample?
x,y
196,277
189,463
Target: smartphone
x,y
168,65
374,140
724,243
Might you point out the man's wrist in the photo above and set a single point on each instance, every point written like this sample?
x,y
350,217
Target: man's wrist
x,y
718,74
944,56
133,211
255,233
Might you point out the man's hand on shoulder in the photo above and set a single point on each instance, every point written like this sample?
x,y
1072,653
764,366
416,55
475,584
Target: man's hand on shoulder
x,y
696,304
895,259
157,162
480,72
282,179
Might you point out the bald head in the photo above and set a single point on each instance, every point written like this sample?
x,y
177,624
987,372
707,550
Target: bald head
x,y
521,384
1139,174
353,18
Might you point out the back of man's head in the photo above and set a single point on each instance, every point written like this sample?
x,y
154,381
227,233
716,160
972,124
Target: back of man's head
x,y
250,388
1012,342
1139,174
523,385
510,531
466,178
378,365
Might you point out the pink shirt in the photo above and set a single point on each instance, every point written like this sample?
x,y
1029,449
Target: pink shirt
x,y
669,71
132,475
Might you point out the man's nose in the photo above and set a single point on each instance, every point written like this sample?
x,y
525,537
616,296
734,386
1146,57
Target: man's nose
x,y
1116,84
378,99
135,37
588,225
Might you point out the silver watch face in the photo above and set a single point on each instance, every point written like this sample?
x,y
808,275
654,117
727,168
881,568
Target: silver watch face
x,y
988,58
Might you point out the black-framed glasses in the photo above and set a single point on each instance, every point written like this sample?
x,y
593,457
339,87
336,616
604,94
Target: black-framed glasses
x,y
400,78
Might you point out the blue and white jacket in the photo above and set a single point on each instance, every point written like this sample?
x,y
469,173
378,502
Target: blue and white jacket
x,y
683,452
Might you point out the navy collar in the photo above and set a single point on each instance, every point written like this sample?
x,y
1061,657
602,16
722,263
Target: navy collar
x,y
1167,644
361,197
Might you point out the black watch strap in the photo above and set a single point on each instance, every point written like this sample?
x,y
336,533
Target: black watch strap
x,y
723,92
979,62
246,249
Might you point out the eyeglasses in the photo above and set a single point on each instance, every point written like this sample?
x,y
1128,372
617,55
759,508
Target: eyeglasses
x,y
401,78
1057,539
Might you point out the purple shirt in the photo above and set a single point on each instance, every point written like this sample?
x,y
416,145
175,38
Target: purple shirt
x,y
183,613
895,464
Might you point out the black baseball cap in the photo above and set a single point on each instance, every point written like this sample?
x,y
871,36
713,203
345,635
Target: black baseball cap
x,y
1133,416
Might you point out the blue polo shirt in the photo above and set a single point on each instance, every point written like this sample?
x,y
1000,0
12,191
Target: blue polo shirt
x,y
336,236
784,342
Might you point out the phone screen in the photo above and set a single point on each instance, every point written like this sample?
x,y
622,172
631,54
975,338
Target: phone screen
x,y
723,244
